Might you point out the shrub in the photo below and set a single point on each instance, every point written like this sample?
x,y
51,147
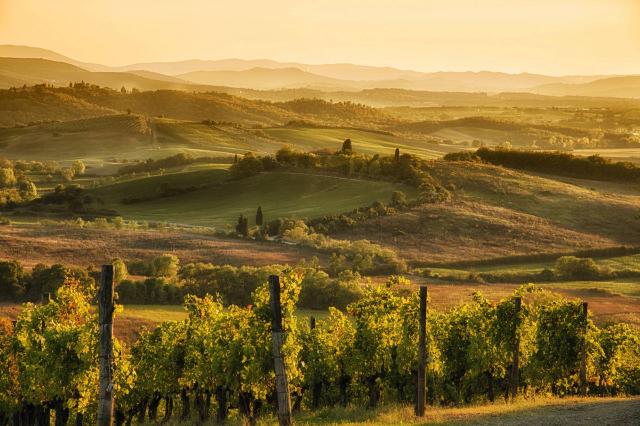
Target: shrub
x,y
576,268
463,156
165,266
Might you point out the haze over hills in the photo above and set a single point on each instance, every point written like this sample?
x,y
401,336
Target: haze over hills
x,y
622,87
265,79
13,51
29,71
265,74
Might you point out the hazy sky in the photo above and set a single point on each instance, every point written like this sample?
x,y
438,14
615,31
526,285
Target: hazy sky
x,y
545,36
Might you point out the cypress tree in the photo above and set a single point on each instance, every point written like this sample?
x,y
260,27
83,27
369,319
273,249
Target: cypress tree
x,y
245,227
235,159
397,155
242,227
259,218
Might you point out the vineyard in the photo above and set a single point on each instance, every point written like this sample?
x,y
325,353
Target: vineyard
x,y
218,363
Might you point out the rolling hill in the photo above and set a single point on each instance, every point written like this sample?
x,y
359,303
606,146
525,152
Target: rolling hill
x,y
87,139
15,72
497,212
15,51
221,200
242,73
265,79
617,87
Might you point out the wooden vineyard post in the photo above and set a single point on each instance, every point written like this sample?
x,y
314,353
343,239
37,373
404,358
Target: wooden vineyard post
x,y
422,349
583,352
282,384
515,366
312,322
105,313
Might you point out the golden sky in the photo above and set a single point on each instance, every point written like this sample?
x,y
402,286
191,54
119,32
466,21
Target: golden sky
x,y
543,36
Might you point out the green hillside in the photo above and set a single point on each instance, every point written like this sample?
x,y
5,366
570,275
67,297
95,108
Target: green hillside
x,y
281,194
497,212
364,141
114,136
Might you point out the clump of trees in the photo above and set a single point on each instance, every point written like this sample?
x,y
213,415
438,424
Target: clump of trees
x,y
17,284
15,187
561,163
233,284
404,168
182,159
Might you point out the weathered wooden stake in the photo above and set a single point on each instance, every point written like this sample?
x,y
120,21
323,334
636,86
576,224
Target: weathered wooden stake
x,y
105,312
583,354
282,384
515,366
422,350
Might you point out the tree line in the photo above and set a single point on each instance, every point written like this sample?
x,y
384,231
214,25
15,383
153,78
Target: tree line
x,y
559,163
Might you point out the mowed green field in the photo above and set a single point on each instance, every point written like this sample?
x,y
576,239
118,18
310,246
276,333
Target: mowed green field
x,y
222,200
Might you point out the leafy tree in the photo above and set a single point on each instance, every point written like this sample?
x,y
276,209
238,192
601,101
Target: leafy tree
x,y
78,167
242,227
67,174
259,218
398,199
165,266
45,281
571,267
12,278
7,177
28,190
249,165
120,272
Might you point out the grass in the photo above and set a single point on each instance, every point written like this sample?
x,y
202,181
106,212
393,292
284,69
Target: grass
x,y
496,212
309,139
566,411
569,411
281,194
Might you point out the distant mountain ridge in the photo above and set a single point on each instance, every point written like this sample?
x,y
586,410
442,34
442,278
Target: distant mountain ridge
x,y
265,79
619,87
266,74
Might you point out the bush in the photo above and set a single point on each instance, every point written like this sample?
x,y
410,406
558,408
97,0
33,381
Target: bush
x,y
165,266
12,283
576,268
463,156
